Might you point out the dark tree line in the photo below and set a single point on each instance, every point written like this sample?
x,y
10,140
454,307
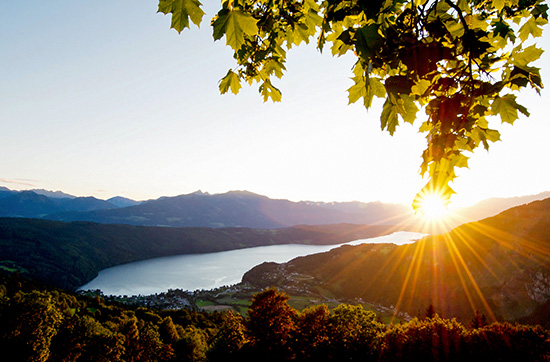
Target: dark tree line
x,y
39,324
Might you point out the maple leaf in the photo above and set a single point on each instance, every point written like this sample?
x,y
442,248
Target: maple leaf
x,y
507,107
230,81
234,24
182,11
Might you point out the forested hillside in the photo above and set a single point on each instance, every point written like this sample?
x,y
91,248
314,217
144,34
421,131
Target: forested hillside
x,y
500,266
69,255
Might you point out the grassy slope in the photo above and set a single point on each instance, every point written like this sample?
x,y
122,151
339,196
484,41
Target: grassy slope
x,y
499,266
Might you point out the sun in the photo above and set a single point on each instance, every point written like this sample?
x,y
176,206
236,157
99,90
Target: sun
x,y
433,207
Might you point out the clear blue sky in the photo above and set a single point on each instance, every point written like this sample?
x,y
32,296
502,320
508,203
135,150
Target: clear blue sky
x,y
101,98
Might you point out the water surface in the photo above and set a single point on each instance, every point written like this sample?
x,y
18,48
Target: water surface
x,y
210,270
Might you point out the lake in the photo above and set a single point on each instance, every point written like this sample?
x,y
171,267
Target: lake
x,y
210,270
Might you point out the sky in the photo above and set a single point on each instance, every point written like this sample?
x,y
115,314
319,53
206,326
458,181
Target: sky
x,y
103,99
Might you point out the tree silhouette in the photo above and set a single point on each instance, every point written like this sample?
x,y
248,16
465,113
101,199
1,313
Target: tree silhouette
x,y
479,320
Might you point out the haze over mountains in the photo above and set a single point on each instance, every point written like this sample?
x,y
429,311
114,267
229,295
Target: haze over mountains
x,y
231,209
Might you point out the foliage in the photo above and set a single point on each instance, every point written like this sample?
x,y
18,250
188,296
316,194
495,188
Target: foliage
x,y
271,322
38,323
508,342
34,322
461,60
313,333
432,339
355,333
231,337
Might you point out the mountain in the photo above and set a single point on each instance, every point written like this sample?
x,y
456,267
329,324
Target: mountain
x,y
69,255
27,204
53,194
499,266
493,206
5,192
120,201
236,209
246,209
33,205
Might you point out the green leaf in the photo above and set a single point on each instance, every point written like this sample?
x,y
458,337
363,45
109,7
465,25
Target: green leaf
x,y
409,109
230,81
507,107
388,118
531,27
493,135
420,87
267,90
499,4
182,11
301,34
234,24
528,55
455,28
358,90
481,135
272,66
374,88
368,41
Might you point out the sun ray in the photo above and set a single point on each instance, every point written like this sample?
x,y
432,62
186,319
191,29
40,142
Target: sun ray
x,y
467,241
414,260
457,256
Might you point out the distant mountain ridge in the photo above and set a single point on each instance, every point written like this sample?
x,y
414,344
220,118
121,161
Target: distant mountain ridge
x,y
231,209
33,205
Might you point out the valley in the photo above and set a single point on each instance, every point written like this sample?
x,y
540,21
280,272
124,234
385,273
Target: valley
x,y
498,265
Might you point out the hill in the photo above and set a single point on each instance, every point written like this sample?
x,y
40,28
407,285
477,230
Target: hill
x,y
69,255
493,206
232,209
31,204
499,266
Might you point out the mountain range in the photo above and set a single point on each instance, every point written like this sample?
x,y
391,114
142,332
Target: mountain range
x,y
231,209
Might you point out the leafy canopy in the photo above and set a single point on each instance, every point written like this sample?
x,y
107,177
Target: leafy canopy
x,y
462,61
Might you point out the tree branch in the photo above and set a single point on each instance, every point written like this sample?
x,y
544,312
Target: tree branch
x,y
459,11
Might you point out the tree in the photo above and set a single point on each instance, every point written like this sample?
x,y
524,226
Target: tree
x,y
430,312
192,346
32,322
355,333
313,335
462,60
168,331
433,339
271,323
229,339
479,320
507,342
